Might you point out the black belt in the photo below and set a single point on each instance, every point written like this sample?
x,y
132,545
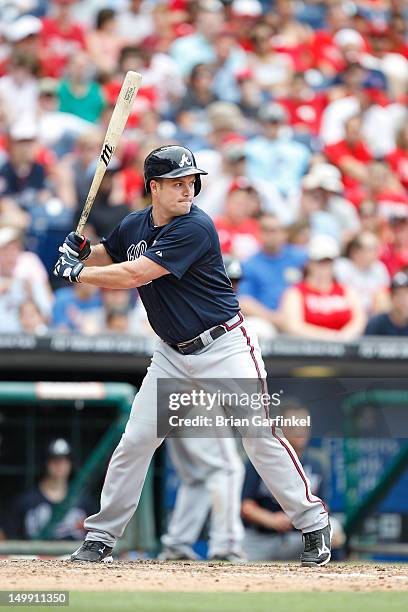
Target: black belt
x,y
196,344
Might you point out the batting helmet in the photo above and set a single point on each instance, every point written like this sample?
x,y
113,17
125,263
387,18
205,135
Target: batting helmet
x,y
171,161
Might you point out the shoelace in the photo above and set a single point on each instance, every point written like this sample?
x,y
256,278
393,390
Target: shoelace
x,y
89,545
311,541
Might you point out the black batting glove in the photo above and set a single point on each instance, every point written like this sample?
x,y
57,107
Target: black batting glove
x,y
78,246
68,267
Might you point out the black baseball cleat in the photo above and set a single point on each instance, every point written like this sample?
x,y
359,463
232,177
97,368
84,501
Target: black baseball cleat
x,y
94,552
317,547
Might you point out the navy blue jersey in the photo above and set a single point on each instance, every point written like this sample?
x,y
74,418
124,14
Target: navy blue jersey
x,y
197,293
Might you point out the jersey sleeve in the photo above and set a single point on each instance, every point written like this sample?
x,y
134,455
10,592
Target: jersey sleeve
x,y
180,248
114,245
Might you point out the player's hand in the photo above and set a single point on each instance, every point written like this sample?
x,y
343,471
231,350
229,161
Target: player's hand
x,y
68,267
78,246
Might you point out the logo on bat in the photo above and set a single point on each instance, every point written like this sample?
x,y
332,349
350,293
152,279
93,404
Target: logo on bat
x,y
130,92
107,154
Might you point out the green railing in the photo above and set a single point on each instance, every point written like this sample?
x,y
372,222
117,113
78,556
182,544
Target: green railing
x,y
119,395
358,509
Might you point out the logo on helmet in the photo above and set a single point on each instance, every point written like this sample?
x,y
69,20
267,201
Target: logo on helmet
x,y
185,161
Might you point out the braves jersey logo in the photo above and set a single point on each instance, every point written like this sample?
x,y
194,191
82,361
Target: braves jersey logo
x,y
185,161
136,250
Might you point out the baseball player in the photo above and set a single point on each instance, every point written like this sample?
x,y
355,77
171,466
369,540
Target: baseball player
x,y
211,474
171,252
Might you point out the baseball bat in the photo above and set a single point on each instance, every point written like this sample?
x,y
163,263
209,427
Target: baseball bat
x,y
116,126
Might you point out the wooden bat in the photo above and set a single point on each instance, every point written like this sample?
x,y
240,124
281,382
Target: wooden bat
x,y
117,123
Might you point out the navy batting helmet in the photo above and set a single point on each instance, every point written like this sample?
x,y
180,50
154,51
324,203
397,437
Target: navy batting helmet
x,y
171,161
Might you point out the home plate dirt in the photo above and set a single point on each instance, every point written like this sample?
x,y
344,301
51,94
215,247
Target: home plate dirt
x,y
18,574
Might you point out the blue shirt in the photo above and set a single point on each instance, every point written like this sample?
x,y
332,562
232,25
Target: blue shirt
x,y
197,293
266,276
381,325
283,162
67,306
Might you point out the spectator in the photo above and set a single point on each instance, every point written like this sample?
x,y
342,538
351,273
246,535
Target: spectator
x,y
304,107
77,167
78,93
230,59
269,534
32,511
76,309
117,321
134,22
109,207
323,204
200,91
22,278
238,230
271,71
32,321
274,157
21,176
394,322
386,191
398,159
351,155
61,38
103,43
362,270
319,307
233,167
199,47
19,87
267,274
394,252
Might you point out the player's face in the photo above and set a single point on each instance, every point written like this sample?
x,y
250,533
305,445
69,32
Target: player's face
x,y
173,197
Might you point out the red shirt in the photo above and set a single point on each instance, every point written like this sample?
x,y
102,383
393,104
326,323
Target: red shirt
x,y
59,45
336,152
391,203
331,309
306,112
242,240
394,260
398,160
133,184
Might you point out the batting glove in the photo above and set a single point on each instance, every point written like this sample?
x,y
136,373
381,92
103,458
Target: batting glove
x,y
76,245
68,267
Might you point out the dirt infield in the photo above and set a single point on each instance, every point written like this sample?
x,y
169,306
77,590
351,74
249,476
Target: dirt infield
x,y
18,574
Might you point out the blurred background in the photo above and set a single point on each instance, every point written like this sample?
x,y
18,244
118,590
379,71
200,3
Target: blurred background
x,y
298,110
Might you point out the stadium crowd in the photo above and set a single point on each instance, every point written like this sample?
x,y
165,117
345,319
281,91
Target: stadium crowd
x,y
298,110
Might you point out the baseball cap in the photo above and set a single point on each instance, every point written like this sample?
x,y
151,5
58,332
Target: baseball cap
x,y
273,113
225,115
211,6
23,27
59,448
348,36
246,8
24,129
322,247
323,176
8,234
400,279
241,183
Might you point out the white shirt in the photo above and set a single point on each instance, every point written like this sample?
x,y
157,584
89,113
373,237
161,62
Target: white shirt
x,y
367,283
